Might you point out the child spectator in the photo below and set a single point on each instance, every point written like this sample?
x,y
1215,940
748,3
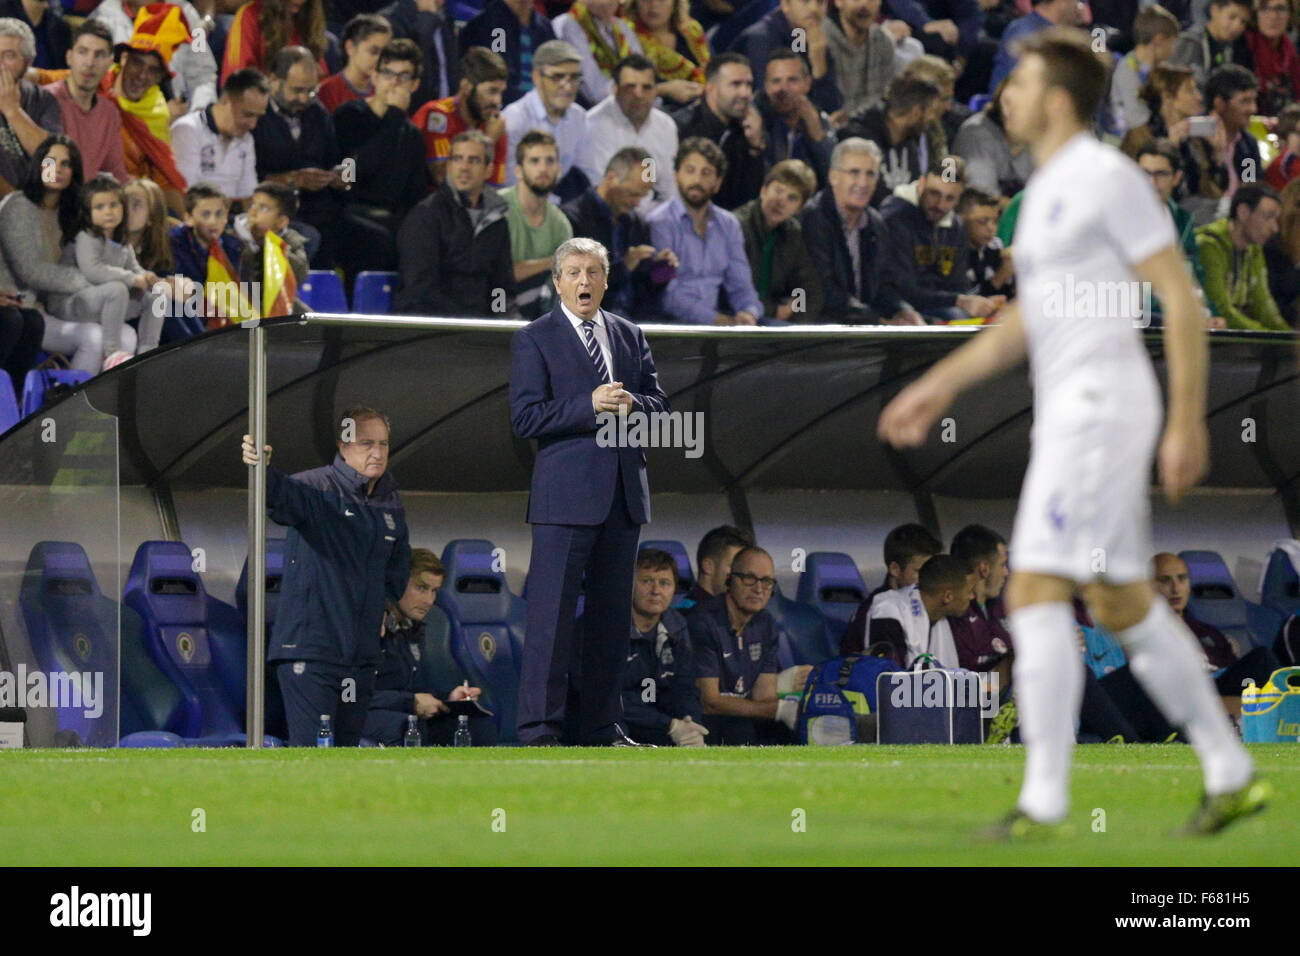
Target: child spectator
x,y
364,39
269,211
119,287
207,212
147,224
989,269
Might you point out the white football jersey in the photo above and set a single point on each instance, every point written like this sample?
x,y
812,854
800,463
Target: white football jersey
x,y
904,606
1088,216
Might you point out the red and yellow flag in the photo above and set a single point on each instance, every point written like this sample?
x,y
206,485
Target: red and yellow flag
x,y
279,287
223,296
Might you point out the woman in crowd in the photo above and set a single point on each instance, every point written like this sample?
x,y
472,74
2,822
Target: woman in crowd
x,y
264,27
675,43
1277,65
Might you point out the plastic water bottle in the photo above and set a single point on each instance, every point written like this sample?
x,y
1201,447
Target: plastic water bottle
x,y
412,732
462,738
325,736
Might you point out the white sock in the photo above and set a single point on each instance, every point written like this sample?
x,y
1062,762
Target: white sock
x,y
1163,656
1048,675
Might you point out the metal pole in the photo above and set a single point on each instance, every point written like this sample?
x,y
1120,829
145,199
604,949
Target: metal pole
x,y
256,713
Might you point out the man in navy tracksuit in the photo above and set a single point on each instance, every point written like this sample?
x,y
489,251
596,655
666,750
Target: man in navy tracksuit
x,y
346,554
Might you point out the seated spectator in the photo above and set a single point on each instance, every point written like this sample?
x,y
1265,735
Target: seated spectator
x,y
364,38
980,633
660,661
89,116
849,238
1045,13
862,54
1156,31
734,639
1282,257
537,226
550,107
707,241
929,249
726,115
399,691
804,20
603,39
675,44
946,115
990,270
1163,163
51,32
993,163
455,244
946,28
907,547
1223,659
271,210
628,117
607,213
476,105
388,168
147,225
432,28
913,620
216,146
1115,707
194,71
523,32
713,557
786,279
29,116
1274,56
793,126
264,27
1232,254
896,128
201,243
1219,43
21,330
1232,94
1286,164
295,144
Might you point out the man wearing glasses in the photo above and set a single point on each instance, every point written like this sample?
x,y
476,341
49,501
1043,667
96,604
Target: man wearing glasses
x,y
384,158
550,107
734,638
347,554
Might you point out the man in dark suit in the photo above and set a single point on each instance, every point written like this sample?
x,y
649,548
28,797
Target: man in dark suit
x,y
588,497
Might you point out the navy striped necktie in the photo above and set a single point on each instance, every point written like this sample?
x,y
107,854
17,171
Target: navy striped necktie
x,y
593,350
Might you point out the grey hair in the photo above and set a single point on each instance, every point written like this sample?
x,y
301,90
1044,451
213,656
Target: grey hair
x,y
13,27
580,246
854,146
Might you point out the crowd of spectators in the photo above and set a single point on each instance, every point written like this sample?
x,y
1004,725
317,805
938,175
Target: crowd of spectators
x,y
777,161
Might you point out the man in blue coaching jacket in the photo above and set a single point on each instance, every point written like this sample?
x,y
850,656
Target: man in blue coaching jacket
x,y
588,499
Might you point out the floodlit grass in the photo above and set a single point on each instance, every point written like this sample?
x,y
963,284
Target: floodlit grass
x,y
861,805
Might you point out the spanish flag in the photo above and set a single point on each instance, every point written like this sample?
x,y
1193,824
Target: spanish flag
x,y
279,287
222,295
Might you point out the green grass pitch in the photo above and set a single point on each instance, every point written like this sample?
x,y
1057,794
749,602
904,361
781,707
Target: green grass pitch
x,y
861,805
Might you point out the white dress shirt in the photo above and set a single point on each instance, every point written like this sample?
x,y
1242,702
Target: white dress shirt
x,y
529,113
609,130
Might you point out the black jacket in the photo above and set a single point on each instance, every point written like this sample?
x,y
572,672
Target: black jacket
x,y
421,26
745,170
629,293
791,267
451,267
389,151
57,31
823,233
316,146
659,681
927,262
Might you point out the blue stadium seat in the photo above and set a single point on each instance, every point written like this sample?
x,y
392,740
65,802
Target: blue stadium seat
x,y
39,379
1281,591
9,416
685,576
802,634
978,102
323,291
487,627
832,583
72,628
372,293
167,593
276,722
152,738
1216,599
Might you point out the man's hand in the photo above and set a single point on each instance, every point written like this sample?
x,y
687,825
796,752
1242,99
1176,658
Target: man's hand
x,y
687,733
636,255
906,420
11,300
177,108
668,256
426,705
681,91
314,179
494,127
611,397
978,306
898,29
10,94
721,318
400,96
752,124
429,6
461,692
744,318
906,316
792,679
250,451
1215,322
811,118
1183,458
787,711
946,29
